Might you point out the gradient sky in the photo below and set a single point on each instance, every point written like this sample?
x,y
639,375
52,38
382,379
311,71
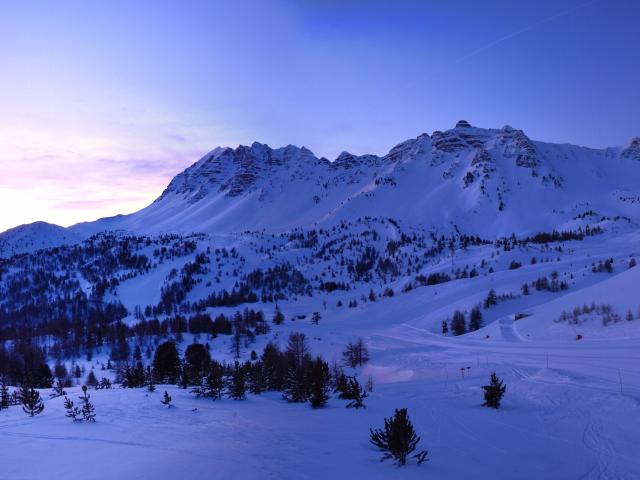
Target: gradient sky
x,y
102,102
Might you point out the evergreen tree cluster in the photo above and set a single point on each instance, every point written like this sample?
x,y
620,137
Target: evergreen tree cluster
x,y
459,324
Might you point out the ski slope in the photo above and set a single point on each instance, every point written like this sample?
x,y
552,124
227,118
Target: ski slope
x,y
570,412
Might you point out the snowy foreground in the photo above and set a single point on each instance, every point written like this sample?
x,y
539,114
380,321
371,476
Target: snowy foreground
x,y
569,420
571,410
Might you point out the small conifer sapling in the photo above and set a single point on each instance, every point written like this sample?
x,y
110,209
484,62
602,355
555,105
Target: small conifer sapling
x,y
493,392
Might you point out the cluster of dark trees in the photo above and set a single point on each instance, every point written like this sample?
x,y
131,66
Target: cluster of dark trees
x,y
24,358
278,282
360,257
45,286
540,284
175,293
25,364
603,266
293,371
270,285
458,324
41,295
509,243
563,236
432,279
493,298
331,286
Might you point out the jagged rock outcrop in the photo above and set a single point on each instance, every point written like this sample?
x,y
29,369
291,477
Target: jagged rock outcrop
x,y
517,145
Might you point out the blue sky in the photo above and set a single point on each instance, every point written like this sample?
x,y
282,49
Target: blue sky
x,y
101,103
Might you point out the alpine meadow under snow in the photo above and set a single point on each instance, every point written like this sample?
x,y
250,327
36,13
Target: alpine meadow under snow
x,y
278,315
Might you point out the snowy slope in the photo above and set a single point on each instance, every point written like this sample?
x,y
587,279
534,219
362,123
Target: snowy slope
x,y
35,236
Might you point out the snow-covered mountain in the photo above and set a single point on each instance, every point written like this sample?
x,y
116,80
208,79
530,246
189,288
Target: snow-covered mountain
x,y
487,182
483,181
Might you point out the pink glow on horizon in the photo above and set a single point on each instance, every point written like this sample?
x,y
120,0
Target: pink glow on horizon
x,y
68,174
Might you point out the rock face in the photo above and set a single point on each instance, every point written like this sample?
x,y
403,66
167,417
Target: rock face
x,y
234,172
518,146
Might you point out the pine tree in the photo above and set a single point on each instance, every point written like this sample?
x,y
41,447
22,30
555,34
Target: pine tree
x,y
73,412
257,382
104,384
184,381
491,300
342,386
58,389
274,367
166,363
356,394
278,318
166,400
88,410
445,327
236,340
212,385
237,385
92,381
475,319
196,362
32,404
493,392
4,395
297,351
296,387
148,380
356,354
397,439
133,377
215,381
458,326
320,387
